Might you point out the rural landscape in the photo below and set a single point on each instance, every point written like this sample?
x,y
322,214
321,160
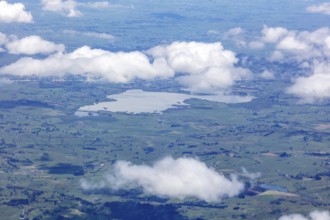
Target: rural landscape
x,y
195,123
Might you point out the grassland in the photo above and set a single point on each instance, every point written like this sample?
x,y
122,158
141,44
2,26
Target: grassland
x,y
46,149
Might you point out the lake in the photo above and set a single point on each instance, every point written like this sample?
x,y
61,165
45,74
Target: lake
x,y
138,101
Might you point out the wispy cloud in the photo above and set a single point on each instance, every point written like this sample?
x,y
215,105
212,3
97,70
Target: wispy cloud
x,y
91,34
323,8
237,35
249,175
97,5
3,40
316,215
5,81
173,178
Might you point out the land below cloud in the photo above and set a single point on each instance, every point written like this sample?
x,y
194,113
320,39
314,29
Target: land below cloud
x,y
270,135
164,109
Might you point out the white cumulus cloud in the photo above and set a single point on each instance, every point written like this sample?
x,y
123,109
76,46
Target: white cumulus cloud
x,y
323,8
33,44
266,74
70,8
292,44
272,35
207,66
14,13
173,178
311,49
117,67
199,67
65,7
269,35
315,87
316,215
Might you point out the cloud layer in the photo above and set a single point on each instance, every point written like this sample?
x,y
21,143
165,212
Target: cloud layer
x,y
93,63
203,67
173,178
316,215
10,13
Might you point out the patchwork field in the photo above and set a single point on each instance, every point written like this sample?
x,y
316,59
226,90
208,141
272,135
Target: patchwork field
x,y
46,151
